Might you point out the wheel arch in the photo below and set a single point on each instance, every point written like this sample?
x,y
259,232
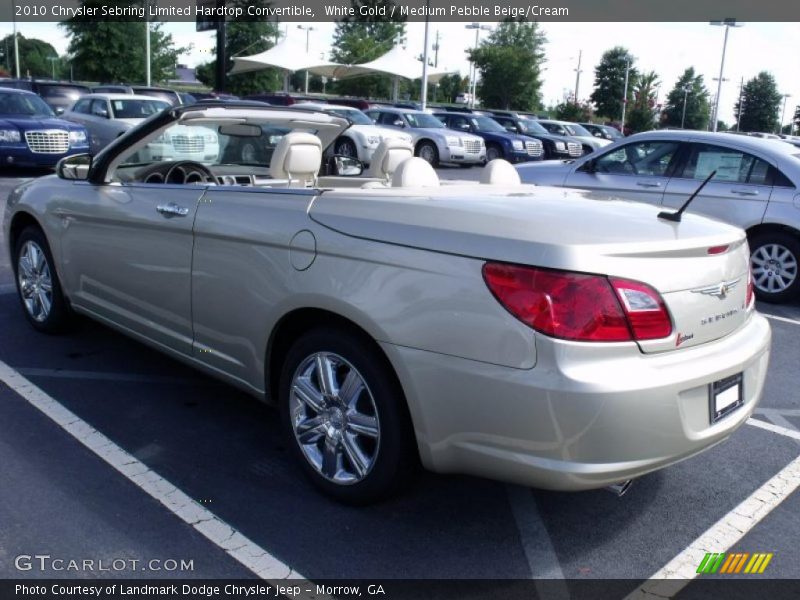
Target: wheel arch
x,y
19,222
765,228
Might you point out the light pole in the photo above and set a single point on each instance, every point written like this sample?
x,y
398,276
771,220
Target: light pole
x,y
578,75
473,67
739,109
686,90
783,114
727,24
625,94
16,42
308,29
53,60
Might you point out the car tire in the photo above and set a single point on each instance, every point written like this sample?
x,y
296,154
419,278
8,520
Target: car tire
x,y
428,152
774,258
38,287
493,152
356,449
346,147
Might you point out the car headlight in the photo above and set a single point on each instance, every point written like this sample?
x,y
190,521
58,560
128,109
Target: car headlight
x,y
9,135
453,140
77,137
373,140
561,146
517,144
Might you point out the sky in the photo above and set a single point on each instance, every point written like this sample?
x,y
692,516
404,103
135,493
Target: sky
x,y
666,48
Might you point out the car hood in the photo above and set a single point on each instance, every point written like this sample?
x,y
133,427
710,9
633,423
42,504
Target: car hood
x,y
25,123
537,225
499,137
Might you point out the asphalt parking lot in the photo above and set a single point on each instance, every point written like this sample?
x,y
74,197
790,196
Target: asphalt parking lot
x,y
223,450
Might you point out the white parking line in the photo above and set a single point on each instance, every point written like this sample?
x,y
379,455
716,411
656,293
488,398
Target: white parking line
x,y
246,552
792,433
721,536
782,319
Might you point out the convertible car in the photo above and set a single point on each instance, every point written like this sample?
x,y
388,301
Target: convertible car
x,y
527,334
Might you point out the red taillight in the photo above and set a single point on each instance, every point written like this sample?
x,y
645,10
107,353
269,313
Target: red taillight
x,y
576,306
718,249
748,301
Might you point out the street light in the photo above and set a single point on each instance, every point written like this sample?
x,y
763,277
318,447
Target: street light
x,y
783,114
727,24
308,29
686,90
473,67
53,60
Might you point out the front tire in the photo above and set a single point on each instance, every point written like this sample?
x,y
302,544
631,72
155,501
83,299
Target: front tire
x,y
346,147
428,152
774,258
493,152
38,287
345,417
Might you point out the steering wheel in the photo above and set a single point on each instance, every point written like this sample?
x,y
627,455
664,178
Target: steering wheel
x,y
190,172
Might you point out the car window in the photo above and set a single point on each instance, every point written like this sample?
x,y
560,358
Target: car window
x,y
729,163
651,158
389,118
82,106
137,108
555,128
457,122
99,108
423,120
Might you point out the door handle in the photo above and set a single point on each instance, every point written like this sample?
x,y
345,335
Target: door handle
x,y
744,192
648,184
172,210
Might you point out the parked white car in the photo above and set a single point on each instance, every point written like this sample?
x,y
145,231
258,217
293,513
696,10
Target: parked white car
x,y
108,116
362,137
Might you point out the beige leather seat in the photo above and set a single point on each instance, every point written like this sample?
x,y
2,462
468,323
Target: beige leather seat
x,y
387,157
500,172
297,158
415,173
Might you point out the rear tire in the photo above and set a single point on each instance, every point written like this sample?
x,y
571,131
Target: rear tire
x,y
351,433
38,287
774,257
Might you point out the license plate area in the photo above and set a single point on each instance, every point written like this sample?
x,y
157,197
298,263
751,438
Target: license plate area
x,y
725,396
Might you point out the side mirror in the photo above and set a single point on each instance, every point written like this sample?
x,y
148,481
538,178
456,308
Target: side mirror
x,y
74,167
59,110
347,166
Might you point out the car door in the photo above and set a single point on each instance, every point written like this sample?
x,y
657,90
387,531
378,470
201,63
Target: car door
x,y
635,171
126,251
738,193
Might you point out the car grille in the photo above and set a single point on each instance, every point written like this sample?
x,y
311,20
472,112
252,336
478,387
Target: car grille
x,y
47,142
534,148
574,149
188,143
472,146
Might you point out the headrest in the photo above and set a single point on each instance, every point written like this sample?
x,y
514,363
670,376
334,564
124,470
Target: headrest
x,y
500,172
297,157
415,173
388,156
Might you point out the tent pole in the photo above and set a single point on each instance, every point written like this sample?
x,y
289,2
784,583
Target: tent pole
x,y
424,92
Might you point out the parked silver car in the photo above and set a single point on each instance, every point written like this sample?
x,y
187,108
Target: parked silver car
x,y
433,141
755,187
504,330
567,129
108,116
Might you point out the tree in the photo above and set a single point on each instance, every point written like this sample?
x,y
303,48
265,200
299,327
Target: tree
x,y
243,38
34,57
797,117
509,61
697,104
568,110
609,81
362,39
760,104
643,111
113,51
451,86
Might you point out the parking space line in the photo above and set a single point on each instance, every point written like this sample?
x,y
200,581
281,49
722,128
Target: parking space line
x,y
536,543
792,433
240,548
722,535
107,376
781,319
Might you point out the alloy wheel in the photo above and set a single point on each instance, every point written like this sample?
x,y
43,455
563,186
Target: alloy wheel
x,y
35,281
774,268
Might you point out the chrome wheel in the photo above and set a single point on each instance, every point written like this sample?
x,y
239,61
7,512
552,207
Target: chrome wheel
x,y
346,148
35,281
428,153
334,418
492,153
774,268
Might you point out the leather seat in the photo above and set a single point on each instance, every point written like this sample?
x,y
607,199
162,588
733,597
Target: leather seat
x,y
500,172
415,172
297,157
387,157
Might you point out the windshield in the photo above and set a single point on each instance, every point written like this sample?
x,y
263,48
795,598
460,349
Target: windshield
x,y
575,129
424,120
137,109
487,124
72,92
612,132
531,126
27,105
356,116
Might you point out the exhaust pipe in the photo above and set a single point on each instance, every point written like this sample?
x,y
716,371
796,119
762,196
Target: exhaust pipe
x,y
619,489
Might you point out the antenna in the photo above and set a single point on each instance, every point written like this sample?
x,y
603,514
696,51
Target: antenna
x,y
676,216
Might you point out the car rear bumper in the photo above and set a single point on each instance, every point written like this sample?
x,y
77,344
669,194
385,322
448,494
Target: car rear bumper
x,y
581,418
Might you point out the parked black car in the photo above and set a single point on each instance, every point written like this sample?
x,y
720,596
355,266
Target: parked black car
x,y
59,95
555,146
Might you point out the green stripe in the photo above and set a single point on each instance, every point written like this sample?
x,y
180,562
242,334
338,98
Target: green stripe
x,y
701,569
718,564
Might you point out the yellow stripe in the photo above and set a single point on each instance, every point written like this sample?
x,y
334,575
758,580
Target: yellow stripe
x,y
724,568
757,563
765,563
741,562
751,563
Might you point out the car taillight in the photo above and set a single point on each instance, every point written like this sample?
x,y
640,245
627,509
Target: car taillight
x,y
577,306
748,301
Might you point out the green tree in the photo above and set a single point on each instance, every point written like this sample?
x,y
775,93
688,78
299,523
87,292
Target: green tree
x,y
697,104
34,57
510,62
643,111
568,110
609,81
113,51
760,104
362,39
451,86
244,38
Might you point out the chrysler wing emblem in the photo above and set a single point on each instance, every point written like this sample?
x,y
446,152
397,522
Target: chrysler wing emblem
x,y
720,290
